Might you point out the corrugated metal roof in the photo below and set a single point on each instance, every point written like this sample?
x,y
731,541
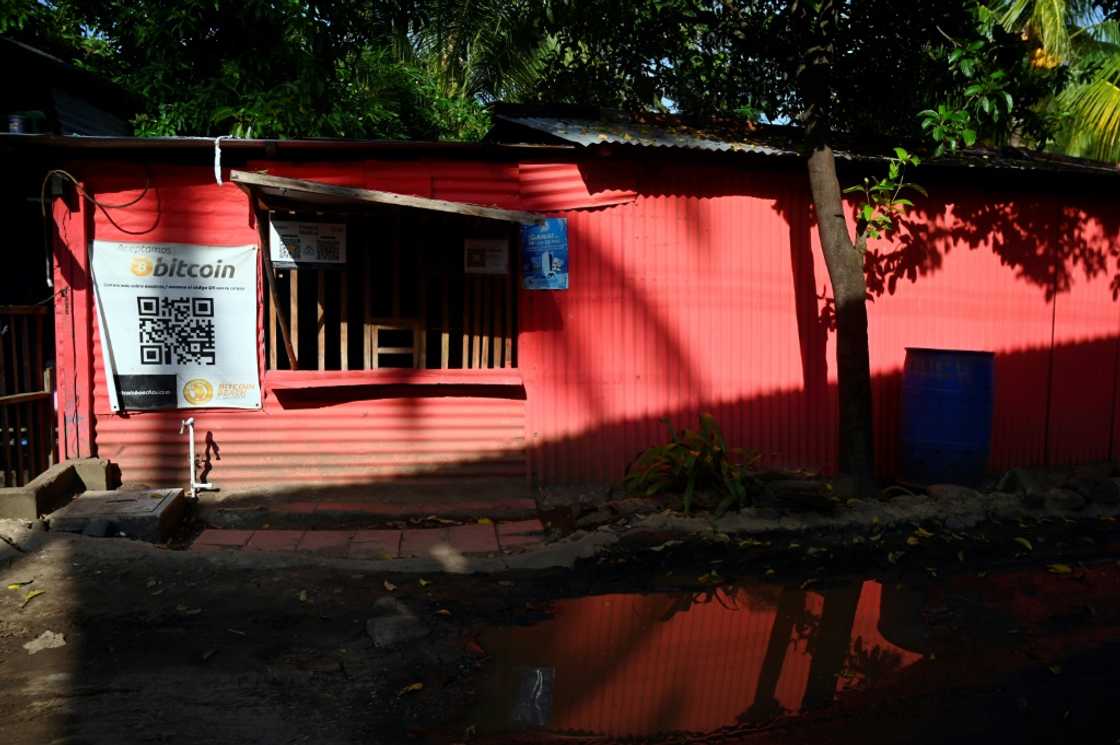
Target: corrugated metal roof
x,y
671,132
598,131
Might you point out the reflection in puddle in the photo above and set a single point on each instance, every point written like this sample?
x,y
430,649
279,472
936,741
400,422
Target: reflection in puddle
x,y
645,664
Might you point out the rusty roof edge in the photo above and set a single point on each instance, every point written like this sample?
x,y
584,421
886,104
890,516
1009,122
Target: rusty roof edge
x,y
584,134
80,142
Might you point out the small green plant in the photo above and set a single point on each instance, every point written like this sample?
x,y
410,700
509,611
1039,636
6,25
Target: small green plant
x,y
692,462
883,206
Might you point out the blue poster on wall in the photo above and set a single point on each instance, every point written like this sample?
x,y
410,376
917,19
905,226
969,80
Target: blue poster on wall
x,y
544,255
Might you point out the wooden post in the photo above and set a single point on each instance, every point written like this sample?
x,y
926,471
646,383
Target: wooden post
x,y
293,304
476,322
343,320
321,319
270,274
509,286
421,332
396,257
466,323
444,334
5,432
16,388
273,342
487,322
366,280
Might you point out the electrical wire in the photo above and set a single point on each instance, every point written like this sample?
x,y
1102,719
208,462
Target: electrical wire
x,y
103,206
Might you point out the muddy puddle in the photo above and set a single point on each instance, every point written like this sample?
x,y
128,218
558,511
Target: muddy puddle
x,y
943,660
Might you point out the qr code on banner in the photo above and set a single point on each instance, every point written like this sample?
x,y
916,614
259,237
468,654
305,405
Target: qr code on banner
x,y
328,252
177,330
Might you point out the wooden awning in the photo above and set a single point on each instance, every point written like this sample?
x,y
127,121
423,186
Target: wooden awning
x,y
330,194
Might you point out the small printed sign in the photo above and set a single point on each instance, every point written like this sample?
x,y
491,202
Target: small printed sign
x,y
544,255
486,256
294,243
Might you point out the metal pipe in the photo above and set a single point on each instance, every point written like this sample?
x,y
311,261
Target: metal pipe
x,y
195,486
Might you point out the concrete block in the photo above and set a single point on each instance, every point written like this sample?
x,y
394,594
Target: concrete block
x,y
48,491
18,503
148,515
97,474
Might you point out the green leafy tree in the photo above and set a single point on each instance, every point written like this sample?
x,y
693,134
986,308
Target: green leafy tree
x,y
1080,40
410,69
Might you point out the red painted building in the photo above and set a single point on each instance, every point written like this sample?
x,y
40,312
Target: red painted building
x,y
696,285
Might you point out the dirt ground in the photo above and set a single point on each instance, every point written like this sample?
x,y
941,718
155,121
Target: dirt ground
x,y
171,646
177,646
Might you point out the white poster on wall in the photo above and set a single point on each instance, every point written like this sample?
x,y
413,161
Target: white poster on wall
x,y
295,242
486,256
178,325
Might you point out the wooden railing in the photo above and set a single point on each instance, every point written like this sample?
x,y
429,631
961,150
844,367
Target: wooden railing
x,y
27,415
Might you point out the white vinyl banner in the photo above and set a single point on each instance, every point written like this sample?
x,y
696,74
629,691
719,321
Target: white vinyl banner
x,y
178,325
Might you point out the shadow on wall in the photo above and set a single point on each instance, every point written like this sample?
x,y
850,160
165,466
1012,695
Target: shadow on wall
x,y
781,426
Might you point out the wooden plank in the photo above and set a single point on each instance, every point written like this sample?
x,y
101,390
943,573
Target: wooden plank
x,y
366,280
47,407
28,410
475,312
507,359
5,424
273,342
487,322
499,320
24,310
293,313
292,187
270,275
24,397
344,319
466,324
321,320
422,305
21,475
396,259
444,334
306,379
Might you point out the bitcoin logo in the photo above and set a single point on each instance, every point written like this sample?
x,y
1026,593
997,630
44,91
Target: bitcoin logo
x,y
141,266
198,391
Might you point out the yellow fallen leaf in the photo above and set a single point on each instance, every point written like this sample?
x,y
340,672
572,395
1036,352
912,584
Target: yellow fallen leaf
x,y
411,688
389,586
19,583
28,597
424,582
1060,568
1024,543
912,541
485,521
923,533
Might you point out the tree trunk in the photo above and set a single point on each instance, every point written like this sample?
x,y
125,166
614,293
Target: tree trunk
x,y
849,288
819,22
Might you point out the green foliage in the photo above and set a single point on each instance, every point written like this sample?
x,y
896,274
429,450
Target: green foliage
x,y
883,204
692,462
419,69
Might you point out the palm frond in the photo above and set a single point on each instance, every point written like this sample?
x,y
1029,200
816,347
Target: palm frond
x,y
1094,109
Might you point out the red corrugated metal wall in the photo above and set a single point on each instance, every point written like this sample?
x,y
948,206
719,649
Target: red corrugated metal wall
x,y
703,290
313,437
707,294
